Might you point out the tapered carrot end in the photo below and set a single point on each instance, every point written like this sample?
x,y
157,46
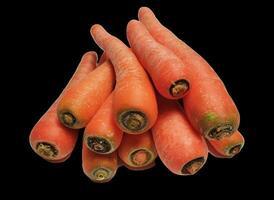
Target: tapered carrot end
x,y
141,157
220,131
100,35
132,121
90,57
99,145
145,11
67,119
234,150
193,166
102,175
179,88
46,150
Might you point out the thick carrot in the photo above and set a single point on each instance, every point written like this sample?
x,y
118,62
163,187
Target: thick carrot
x,y
137,150
134,102
182,150
80,102
228,146
99,168
167,71
49,138
208,105
102,134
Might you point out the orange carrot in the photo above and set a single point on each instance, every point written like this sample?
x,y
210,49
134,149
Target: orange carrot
x,y
208,106
99,168
49,138
228,146
182,150
137,150
167,71
80,102
134,102
102,134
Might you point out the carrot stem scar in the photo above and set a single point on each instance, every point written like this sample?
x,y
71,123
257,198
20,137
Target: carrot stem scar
x,y
235,149
179,87
68,119
133,120
46,150
101,174
140,157
220,131
193,166
99,144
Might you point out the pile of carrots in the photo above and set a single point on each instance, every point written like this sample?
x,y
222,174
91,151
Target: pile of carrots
x,y
156,98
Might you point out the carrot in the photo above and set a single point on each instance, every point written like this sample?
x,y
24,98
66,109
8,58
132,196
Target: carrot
x,y
102,134
137,150
151,165
167,71
49,138
103,58
182,150
208,106
226,147
134,102
99,168
80,102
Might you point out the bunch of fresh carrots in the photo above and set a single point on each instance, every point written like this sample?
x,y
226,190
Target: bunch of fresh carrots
x,y
158,97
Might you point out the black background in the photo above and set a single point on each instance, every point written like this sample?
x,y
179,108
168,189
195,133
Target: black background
x,y
45,44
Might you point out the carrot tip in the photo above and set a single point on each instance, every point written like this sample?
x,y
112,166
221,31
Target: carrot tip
x,y
46,150
68,119
133,121
179,88
101,174
140,157
99,144
220,132
235,150
193,166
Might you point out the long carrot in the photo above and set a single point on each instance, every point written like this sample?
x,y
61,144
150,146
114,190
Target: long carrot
x,y
99,168
208,105
80,102
179,146
102,134
228,146
167,71
134,102
49,138
137,150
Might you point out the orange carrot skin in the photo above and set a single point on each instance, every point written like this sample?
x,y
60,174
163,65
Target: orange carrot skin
x,y
48,130
82,100
164,67
137,143
228,146
177,143
214,108
102,134
99,168
133,86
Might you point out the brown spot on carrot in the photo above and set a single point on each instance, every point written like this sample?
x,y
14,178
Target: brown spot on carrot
x,y
140,157
193,166
220,131
101,174
133,121
99,144
68,119
235,150
46,150
179,88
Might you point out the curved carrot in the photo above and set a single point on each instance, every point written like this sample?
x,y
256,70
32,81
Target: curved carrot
x,y
167,71
208,105
228,146
179,146
134,102
137,150
49,138
99,168
102,134
80,102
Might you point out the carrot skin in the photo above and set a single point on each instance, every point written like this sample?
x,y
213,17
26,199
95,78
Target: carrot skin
x,y
102,134
208,105
49,138
182,150
133,86
168,72
80,102
137,150
99,168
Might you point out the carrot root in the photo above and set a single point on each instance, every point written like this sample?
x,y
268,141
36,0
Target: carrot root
x,y
99,144
132,120
193,166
